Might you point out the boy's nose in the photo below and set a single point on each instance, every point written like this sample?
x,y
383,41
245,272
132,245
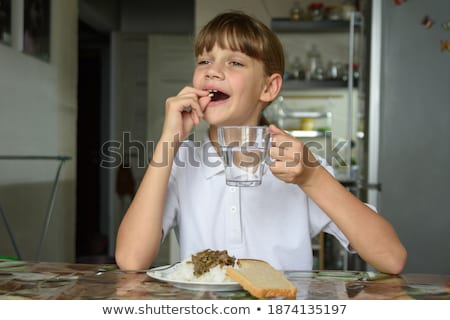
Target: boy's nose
x,y
214,73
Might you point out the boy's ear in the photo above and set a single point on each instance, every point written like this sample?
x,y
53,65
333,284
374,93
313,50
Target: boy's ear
x,y
272,88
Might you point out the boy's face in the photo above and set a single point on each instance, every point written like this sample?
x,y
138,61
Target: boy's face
x,y
237,82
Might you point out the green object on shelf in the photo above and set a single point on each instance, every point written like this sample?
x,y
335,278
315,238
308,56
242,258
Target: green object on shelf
x,y
8,258
324,129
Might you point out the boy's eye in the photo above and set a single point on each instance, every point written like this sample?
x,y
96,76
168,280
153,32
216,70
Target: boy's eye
x,y
203,62
236,63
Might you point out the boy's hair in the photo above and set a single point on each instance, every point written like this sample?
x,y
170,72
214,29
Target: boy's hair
x,y
238,31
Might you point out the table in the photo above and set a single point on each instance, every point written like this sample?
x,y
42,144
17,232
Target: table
x,y
52,281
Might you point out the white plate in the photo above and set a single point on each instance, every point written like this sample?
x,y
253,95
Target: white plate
x,y
161,273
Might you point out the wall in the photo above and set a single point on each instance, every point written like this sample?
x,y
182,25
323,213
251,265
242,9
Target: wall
x,y
38,112
169,16
102,15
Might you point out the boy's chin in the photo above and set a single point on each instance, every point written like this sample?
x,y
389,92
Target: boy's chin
x,y
213,118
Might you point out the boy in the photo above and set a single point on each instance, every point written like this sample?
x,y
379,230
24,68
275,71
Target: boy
x,y
240,64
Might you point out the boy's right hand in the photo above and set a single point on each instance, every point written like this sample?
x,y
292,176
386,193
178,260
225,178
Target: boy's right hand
x,y
183,111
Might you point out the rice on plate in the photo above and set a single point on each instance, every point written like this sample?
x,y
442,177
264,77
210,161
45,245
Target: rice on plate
x,y
185,272
204,266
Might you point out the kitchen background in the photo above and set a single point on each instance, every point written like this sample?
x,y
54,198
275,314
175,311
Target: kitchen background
x,y
113,63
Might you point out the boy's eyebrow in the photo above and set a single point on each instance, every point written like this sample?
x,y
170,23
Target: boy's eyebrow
x,y
210,55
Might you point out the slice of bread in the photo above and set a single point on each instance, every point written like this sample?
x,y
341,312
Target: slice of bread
x,y
261,280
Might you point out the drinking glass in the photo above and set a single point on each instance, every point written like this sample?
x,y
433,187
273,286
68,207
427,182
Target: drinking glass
x,y
245,153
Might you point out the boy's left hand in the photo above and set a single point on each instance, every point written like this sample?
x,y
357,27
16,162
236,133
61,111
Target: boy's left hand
x,y
292,161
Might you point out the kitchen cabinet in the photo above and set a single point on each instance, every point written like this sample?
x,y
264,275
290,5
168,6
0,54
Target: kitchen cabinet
x,y
324,110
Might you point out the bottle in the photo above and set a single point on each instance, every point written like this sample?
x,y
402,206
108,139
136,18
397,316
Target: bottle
x,y
347,9
296,11
297,69
314,62
334,70
355,72
316,10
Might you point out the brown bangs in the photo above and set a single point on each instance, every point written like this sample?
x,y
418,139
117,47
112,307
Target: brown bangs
x,y
230,36
239,32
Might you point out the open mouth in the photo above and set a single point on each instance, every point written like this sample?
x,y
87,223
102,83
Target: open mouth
x,y
217,95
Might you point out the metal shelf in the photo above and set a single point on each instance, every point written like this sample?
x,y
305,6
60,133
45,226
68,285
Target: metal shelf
x,y
304,114
288,25
292,88
310,84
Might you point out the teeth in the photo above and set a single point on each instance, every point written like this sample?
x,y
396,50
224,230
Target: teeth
x,y
212,92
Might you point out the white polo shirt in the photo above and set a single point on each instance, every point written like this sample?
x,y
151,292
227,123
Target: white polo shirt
x,y
273,222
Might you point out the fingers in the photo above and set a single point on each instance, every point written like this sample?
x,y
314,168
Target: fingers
x,y
285,154
203,101
199,100
284,146
183,111
290,156
286,158
189,101
275,131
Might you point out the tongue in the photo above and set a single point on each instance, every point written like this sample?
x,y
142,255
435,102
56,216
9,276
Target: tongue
x,y
219,96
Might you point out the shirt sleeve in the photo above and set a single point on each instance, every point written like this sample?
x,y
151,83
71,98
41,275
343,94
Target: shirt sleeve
x,y
171,207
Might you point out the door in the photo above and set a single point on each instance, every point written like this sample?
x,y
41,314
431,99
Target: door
x,y
90,240
414,128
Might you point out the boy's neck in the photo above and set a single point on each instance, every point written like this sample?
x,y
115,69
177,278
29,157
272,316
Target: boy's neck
x,y
212,134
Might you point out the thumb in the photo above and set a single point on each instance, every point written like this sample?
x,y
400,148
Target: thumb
x,y
203,101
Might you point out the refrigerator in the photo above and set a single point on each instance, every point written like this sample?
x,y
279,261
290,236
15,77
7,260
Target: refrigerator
x,y
408,127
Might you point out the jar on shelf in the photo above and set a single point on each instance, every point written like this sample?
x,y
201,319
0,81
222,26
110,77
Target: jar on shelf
x,y
333,13
356,71
316,11
296,12
319,73
344,75
334,71
314,64
347,8
307,124
297,70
